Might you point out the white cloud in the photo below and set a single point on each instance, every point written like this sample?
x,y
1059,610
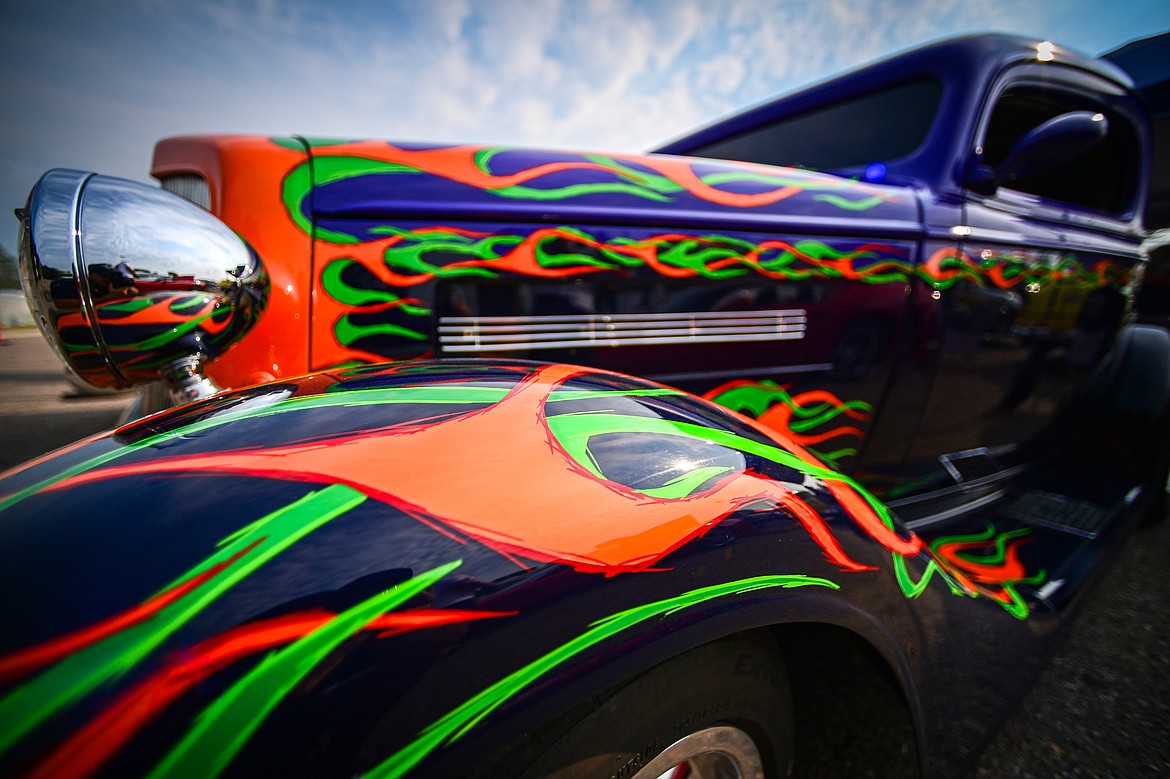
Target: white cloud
x,y
94,84
723,74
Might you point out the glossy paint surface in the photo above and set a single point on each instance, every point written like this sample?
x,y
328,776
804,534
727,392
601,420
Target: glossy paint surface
x,y
634,474
390,287
381,280
355,177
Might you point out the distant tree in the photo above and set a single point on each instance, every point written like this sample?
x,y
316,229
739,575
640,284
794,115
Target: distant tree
x,y
9,277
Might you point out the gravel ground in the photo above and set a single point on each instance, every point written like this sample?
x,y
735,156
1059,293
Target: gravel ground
x,y
1102,709
1103,706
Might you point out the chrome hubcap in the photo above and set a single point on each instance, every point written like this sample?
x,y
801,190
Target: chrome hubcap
x,y
720,752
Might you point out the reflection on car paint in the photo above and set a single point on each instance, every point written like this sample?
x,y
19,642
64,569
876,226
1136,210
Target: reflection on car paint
x,y
991,561
139,330
361,284
639,528
628,531
948,266
810,418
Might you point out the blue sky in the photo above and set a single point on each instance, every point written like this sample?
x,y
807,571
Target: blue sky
x,y
94,84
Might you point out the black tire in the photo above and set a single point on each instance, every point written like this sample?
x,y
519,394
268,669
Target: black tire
x,y
713,705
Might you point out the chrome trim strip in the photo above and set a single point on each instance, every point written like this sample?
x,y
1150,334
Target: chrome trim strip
x,y
80,270
957,511
608,318
568,331
634,327
611,343
680,325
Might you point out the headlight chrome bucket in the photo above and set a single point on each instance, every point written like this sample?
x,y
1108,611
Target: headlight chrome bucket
x,y
134,285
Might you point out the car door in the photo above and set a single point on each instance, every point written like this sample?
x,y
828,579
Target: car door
x,y
1040,278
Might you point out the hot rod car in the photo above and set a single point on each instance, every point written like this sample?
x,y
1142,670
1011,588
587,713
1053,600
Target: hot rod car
x,y
501,462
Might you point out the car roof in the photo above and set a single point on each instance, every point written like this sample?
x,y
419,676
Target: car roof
x,y
961,60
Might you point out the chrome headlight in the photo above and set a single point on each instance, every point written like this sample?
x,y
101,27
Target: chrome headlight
x,y
132,284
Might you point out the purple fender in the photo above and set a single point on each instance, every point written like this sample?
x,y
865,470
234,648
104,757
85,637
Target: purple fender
x,y
401,570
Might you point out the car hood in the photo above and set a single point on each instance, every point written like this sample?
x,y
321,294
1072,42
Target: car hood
x,y
351,181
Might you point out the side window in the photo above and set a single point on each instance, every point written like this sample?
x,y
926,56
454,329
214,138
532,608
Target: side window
x,y
1104,178
874,127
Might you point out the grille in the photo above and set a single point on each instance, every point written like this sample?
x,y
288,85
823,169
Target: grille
x,y
189,187
578,331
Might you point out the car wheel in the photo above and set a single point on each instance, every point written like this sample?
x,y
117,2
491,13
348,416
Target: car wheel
x,y
721,710
720,751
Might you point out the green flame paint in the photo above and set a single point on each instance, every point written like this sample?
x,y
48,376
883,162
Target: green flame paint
x,y
453,726
755,399
1006,270
348,332
359,297
626,180
776,407
299,182
573,432
998,577
224,727
80,673
711,256
338,396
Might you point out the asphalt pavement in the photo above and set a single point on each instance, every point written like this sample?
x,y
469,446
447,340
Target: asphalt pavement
x,y
1102,709
39,409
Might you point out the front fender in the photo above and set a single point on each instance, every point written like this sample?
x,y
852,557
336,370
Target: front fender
x,y
395,570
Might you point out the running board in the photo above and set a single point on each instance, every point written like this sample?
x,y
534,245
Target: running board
x,y
1060,512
